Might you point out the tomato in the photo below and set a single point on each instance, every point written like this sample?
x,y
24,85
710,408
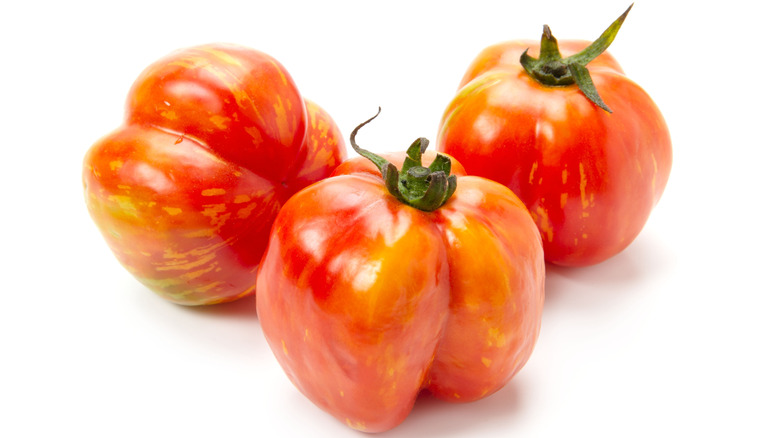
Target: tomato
x,y
215,139
369,293
586,149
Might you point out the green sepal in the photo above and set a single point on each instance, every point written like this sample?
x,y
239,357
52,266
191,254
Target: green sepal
x,y
582,78
552,69
425,188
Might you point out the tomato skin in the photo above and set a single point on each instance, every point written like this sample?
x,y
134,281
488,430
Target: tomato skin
x,y
185,191
588,177
323,150
365,301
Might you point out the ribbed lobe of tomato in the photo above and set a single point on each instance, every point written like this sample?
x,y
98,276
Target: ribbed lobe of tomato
x,y
352,297
185,223
496,291
240,103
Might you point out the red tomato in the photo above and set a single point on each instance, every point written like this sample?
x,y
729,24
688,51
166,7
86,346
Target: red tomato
x,y
588,176
366,300
215,140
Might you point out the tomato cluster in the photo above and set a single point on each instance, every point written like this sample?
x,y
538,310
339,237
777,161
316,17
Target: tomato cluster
x,y
380,276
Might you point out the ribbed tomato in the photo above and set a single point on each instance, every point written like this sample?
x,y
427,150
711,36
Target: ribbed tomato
x,y
379,283
216,138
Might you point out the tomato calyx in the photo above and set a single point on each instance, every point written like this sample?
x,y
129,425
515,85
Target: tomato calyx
x,y
552,69
424,188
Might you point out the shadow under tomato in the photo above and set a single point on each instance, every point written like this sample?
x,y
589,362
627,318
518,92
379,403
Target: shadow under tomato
x,y
241,308
432,417
599,284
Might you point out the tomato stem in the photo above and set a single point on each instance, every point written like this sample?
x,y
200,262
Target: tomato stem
x,y
425,188
552,69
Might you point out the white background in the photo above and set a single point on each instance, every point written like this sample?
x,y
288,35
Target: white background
x,y
676,336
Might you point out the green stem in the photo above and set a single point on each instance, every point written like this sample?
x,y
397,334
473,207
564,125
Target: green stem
x,y
425,188
552,69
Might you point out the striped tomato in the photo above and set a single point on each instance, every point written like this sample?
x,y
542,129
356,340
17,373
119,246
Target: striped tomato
x,y
216,138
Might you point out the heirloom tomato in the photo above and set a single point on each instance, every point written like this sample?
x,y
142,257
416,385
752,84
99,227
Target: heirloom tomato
x,y
585,148
216,138
379,283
